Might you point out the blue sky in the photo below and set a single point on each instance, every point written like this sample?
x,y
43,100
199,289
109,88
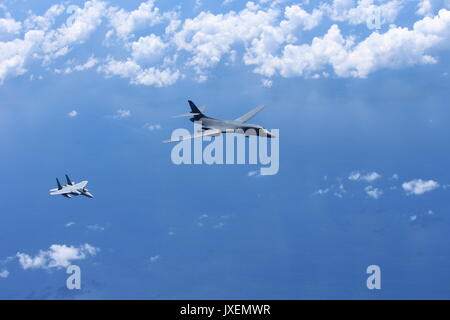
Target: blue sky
x,y
362,115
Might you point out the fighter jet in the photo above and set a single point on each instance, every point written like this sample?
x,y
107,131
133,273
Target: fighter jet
x,y
71,189
215,127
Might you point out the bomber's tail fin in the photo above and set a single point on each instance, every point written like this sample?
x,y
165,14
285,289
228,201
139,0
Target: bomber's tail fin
x,y
59,184
194,108
196,113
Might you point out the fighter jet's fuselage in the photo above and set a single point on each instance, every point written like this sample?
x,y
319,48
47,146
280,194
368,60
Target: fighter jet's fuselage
x,y
71,189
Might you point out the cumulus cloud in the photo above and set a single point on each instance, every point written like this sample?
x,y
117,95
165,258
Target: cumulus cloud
x,y
361,11
8,25
57,256
398,47
369,177
337,190
269,35
124,23
152,127
96,227
122,113
90,63
373,192
153,259
4,273
419,186
73,113
424,7
78,27
146,76
147,48
15,54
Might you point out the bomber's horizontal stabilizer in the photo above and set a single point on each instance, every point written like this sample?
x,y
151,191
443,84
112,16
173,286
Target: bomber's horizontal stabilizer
x,y
190,114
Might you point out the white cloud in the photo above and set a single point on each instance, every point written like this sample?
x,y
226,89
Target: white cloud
x,y
69,224
153,259
122,113
322,191
271,36
208,36
15,53
76,30
152,127
424,7
41,42
340,191
124,23
8,25
373,192
46,21
147,48
90,63
337,190
266,83
73,113
96,227
57,256
4,273
398,47
364,10
145,76
369,177
253,173
419,186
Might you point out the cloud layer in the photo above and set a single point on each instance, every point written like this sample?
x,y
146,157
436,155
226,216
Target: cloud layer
x,y
266,38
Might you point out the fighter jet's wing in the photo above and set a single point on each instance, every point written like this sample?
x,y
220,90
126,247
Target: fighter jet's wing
x,y
210,132
58,192
80,185
250,114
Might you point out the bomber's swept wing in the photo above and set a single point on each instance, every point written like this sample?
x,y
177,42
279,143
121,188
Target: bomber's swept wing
x,y
210,132
250,114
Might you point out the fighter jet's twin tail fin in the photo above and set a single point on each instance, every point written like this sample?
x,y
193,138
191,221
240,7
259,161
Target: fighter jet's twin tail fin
x,y
196,113
69,182
59,184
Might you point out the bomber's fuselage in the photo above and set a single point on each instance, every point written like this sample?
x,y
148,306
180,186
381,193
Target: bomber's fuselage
x,y
232,126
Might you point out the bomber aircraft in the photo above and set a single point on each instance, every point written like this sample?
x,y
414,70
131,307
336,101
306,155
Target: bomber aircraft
x,y
215,127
